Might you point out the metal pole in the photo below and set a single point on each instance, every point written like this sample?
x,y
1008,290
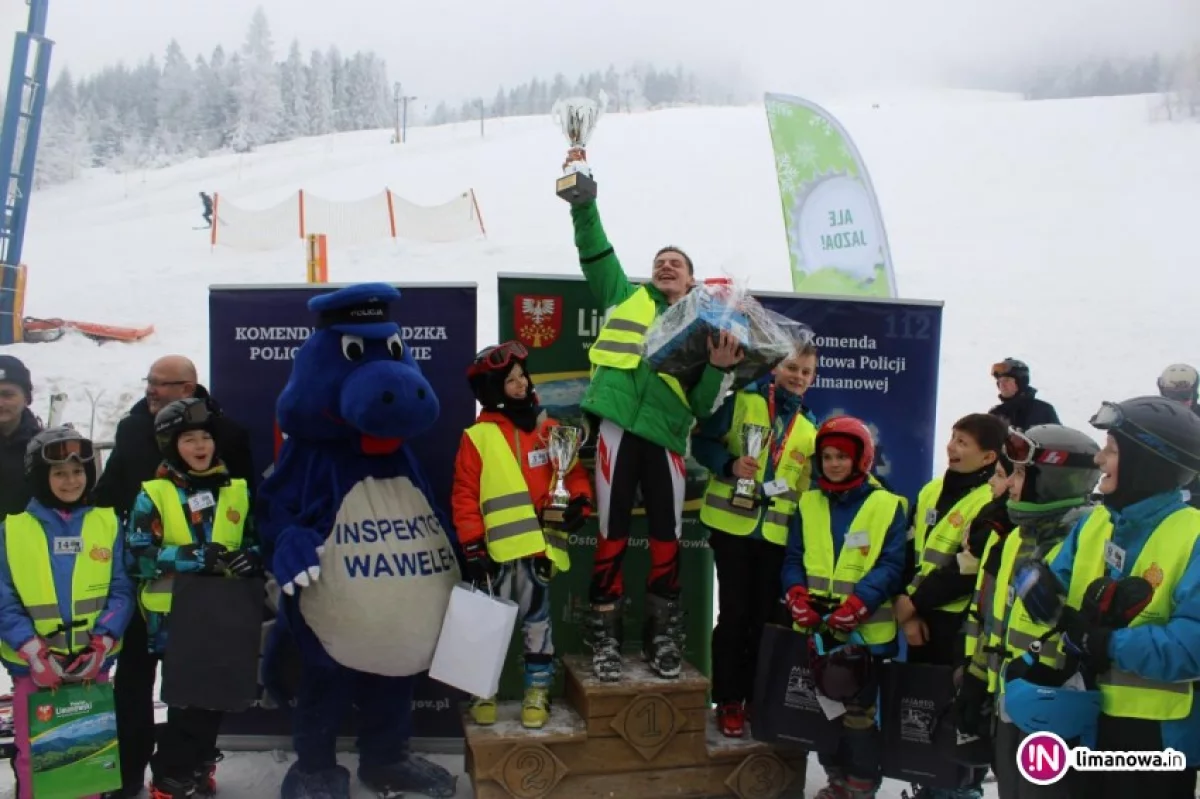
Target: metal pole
x,y
480,102
396,98
404,116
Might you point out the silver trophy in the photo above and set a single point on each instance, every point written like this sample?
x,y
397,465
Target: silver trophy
x,y
563,443
577,117
745,492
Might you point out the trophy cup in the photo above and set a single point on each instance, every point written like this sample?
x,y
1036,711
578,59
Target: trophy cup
x,y
577,116
562,446
745,492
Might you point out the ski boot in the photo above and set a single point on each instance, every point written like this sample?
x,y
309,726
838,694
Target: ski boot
x,y
605,634
171,788
663,636
206,775
835,786
410,774
483,711
535,709
859,789
731,719
331,783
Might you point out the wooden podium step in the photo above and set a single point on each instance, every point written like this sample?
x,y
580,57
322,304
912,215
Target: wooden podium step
x,y
640,738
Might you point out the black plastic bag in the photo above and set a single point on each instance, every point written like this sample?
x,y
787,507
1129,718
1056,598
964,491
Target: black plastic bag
x,y
785,709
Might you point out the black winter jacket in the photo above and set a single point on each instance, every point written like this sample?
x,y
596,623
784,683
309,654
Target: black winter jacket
x,y
14,491
1025,410
135,456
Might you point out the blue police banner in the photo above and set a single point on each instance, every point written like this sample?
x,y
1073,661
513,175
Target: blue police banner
x,y
877,361
254,332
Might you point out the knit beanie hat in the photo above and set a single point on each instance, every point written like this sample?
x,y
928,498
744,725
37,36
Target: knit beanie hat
x,y
12,370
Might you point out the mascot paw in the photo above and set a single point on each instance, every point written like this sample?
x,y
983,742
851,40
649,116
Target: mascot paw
x,y
332,783
413,774
297,561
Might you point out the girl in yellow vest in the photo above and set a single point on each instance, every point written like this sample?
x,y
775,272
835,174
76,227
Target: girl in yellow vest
x,y
748,543
192,518
60,565
1125,591
1054,475
844,563
502,481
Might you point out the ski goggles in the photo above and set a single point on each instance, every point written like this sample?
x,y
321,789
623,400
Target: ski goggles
x,y
1020,449
63,450
1110,417
501,356
1002,369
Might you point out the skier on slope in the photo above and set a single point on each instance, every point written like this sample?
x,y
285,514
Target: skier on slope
x,y
1181,382
208,208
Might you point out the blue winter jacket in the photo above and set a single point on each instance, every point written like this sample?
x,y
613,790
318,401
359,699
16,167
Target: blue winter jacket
x,y
16,628
1168,652
883,581
711,452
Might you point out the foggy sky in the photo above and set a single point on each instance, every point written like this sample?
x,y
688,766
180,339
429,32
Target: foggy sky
x,y
455,49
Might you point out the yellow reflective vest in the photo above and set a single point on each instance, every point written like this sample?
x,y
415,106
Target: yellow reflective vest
x,y
28,552
229,519
510,522
1011,631
978,622
1161,562
836,581
795,470
938,541
619,345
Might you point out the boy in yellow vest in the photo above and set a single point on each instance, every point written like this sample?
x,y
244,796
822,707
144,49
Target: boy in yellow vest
x,y
502,482
844,563
932,610
193,517
1125,591
58,544
748,543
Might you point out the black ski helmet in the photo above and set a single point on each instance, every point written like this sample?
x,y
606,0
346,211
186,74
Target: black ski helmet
x,y
179,417
1160,435
1016,369
1059,463
57,445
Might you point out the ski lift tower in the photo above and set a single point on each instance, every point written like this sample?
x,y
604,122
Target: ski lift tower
x,y
23,104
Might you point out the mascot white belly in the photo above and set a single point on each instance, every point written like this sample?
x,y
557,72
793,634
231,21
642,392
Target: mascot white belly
x,y
386,574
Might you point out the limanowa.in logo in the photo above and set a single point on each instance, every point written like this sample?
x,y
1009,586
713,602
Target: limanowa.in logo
x,y
1043,758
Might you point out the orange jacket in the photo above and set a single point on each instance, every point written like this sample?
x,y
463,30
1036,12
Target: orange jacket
x,y
464,500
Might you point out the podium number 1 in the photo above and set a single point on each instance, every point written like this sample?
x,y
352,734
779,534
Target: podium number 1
x,y
649,711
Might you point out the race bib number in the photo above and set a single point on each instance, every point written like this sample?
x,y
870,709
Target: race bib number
x,y
538,458
68,546
1114,556
775,488
858,540
198,502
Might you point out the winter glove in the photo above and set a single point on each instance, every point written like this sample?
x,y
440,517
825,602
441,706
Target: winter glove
x,y
848,615
1040,591
44,668
297,559
480,566
1086,638
971,705
801,609
202,558
1115,603
575,515
87,665
244,563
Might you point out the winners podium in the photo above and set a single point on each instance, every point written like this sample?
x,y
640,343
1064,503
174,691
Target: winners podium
x,y
641,738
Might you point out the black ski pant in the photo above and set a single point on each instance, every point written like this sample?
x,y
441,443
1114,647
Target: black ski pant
x,y
133,697
1134,735
1009,782
749,596
186,743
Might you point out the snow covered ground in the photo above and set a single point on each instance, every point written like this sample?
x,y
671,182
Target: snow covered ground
x,y
1054,232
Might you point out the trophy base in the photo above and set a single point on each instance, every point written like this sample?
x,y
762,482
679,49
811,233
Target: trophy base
x,y
745,503
553,515
576,188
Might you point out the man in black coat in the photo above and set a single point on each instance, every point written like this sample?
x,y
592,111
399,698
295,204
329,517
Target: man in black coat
x,y
135,459
1019,405
17,426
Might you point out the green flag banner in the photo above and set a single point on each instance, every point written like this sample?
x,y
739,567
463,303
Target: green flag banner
x,y
834,227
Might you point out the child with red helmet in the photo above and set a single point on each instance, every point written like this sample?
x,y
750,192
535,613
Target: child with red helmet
x,y
502,481
844,563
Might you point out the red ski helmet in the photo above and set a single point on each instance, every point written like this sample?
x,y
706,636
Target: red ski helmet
x,y
855,430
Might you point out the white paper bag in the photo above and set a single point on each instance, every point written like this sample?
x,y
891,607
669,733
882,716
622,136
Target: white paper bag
x,y
473,644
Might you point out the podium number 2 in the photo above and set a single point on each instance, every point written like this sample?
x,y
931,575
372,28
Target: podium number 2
x,y
531,765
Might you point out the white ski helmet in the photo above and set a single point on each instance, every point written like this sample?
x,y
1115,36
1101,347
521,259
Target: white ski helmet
x,y
1179,382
